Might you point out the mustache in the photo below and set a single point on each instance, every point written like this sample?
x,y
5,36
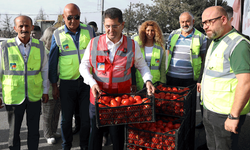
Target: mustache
x,y
185,26
24,32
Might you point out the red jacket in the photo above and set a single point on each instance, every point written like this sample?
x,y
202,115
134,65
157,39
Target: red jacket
x,y
112,77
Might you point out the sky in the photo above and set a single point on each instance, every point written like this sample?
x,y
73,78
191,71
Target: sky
x,y
89,8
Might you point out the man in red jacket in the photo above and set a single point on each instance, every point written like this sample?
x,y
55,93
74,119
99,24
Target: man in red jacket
x,y
111,56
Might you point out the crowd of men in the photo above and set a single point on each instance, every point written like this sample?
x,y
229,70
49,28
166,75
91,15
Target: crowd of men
x,y
86,65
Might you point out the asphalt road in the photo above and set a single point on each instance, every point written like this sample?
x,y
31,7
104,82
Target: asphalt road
x,y
199,135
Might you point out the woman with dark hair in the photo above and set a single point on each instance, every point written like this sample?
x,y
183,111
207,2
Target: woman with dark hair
x,y
152,48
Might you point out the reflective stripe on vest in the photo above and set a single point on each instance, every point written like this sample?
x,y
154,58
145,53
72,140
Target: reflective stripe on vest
x,y
157,53
112,77
70,56
219,81
22,79
104,52
195,57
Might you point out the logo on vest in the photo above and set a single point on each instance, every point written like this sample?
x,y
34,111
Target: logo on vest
x,y
12,65
157,61
66,46
100,66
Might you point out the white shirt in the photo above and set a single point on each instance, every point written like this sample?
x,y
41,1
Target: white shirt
x,y
25,52
139,63
148,54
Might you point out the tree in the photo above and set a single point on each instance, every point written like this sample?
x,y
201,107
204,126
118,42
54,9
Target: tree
x,y
129,18
135,15
166,13
40,16
7,30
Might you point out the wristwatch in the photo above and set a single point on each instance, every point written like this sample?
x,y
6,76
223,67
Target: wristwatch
x,y
230,116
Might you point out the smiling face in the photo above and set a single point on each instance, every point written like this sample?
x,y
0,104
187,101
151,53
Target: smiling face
x,y
186,22
23,27
150,33
71,16
113,29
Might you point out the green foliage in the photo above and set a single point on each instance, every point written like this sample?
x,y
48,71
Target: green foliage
x,y
166,13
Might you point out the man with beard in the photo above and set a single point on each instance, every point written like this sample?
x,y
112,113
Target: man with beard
x,y
225,87
186,51
181,68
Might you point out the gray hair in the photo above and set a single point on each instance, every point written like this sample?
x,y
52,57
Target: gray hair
x,y
192,16
229,10
47,37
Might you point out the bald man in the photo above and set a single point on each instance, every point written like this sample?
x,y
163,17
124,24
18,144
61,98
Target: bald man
x,y
225,87
67,48
24,76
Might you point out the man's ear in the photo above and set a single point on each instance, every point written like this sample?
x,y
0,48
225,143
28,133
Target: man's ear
x,y
15,29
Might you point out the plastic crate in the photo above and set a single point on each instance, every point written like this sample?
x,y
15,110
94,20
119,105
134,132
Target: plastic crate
x,y
181,90
129,114
172,140
176,104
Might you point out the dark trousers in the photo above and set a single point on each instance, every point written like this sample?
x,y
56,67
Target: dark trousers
x,y
77,117
72,93
217,137
96,135
15,118
179,82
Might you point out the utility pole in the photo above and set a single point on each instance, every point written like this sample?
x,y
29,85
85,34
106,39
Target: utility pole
x,y
102,16
128,28
215,3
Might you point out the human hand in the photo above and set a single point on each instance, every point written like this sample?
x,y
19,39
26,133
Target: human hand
x,y
231,125
96,91
45,98
150,88
1,103
55,91
199,87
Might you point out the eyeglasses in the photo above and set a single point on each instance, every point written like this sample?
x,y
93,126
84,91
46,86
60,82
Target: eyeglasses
x,y
77,17
209,22
113,26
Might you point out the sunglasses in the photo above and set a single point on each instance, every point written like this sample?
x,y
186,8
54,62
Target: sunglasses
x,y
77,17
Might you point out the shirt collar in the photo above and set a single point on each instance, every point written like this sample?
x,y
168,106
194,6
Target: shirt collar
x,y
70,32
19,42
109,41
